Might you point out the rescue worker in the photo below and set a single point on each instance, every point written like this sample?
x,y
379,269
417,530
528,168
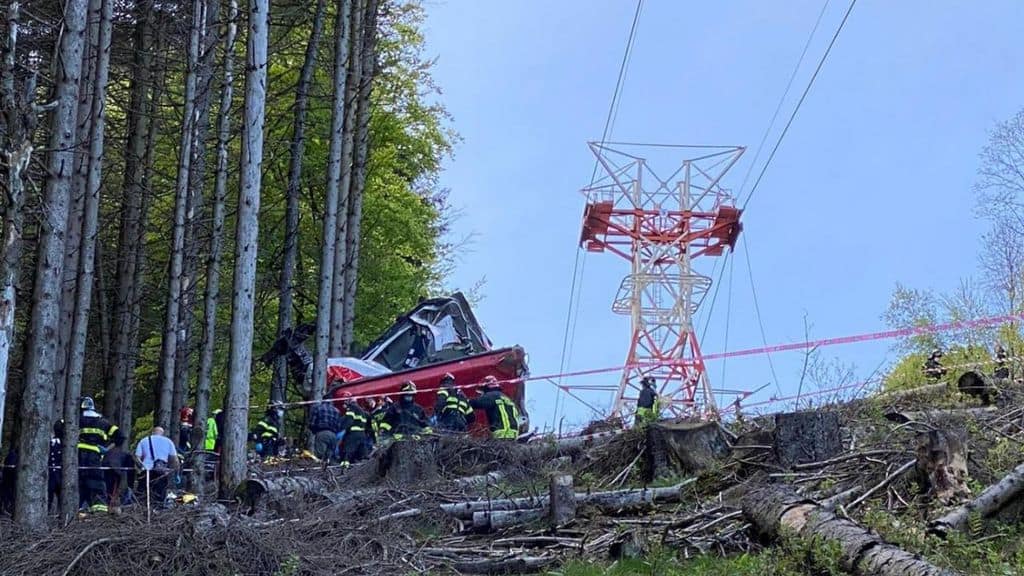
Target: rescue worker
x,y
214,431
185,429
933,366
452,408
267,432
95,438
1002,370
648,408
378,414
355,428
405,417
324,423
502,413
55,464
119,473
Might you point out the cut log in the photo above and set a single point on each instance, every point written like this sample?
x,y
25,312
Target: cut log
x,y
604,501
488,479
255,490
688,447
942,466
562,501
938,414
491,520
410,462
810,436
987,504
778,511
514,565
977,385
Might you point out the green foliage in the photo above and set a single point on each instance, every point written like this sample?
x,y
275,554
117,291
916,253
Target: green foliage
x,y
1000,553
791,557
908,372
405,214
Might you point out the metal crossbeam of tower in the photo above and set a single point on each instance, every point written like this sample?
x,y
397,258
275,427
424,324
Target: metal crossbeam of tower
x,y
661,222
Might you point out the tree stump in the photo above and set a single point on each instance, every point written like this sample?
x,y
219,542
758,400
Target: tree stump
x,y
683,447
942,466
803,437
563,501
977,385
411,462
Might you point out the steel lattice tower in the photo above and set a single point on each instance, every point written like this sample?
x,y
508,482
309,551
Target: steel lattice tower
x,y
661,225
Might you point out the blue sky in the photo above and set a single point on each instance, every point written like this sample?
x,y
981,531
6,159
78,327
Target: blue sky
x,y
871,186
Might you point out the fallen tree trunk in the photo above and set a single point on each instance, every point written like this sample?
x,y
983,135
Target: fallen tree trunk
x,y
507,566
478,481
777,510
613,500
911,392
987,504
930,415
490,520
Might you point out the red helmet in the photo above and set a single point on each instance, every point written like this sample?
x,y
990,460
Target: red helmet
x,y
186,414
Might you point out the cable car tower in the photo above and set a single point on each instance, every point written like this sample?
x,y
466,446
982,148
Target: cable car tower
x,y
661,225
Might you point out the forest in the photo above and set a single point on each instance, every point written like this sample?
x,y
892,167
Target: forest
x,y
174,174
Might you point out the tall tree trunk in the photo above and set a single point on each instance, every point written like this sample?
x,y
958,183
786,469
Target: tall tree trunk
x,y
131,232
291,217
126,402
362,153
246,244
212,290
169,349
197,176
85,275
323,312
355,63
73,228
20,119
41,358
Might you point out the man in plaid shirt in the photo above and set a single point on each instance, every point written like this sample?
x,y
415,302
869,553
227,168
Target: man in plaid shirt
x,y
324,423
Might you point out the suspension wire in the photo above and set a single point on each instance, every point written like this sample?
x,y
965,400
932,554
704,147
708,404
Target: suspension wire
x,y
757,310
714,295
782,100
799,103
576,289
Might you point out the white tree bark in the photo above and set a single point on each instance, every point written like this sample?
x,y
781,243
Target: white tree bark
x,y
194,206
169,349
76,210
355,66
246,238
359,163
86,262
211,294
41,357
334,169
989,502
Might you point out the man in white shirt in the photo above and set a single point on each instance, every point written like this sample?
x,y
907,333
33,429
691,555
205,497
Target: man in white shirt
x,y
157,454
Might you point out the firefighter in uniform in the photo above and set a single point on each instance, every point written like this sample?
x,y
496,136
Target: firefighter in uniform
x,y
933,368
648,407
95,438
355,430
502,413
267,432
378,415
1002,370
452,408
405,417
